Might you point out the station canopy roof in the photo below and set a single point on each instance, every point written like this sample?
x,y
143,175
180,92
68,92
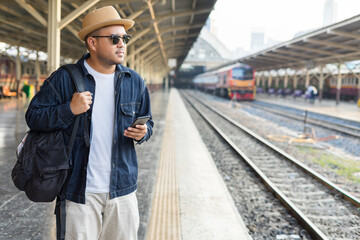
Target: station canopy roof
x,y
163,29
336,43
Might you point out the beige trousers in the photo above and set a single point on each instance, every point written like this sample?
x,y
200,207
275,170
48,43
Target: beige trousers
x,y
102,218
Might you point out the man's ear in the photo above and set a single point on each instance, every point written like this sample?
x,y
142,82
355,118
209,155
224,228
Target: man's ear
x,y
91,42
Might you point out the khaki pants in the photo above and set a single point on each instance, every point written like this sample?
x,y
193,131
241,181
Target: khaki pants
x,y
103,218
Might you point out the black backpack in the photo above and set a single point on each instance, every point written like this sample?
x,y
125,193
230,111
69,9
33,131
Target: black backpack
x,y
43,160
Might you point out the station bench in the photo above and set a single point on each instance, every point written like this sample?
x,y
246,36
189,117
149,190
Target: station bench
x,y
297,93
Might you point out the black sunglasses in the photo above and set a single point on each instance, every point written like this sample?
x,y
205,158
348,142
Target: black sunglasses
x,y
116,38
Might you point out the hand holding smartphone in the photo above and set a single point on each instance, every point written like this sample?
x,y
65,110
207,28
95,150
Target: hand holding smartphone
x,y
140,121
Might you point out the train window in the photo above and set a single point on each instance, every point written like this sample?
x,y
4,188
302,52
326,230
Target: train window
x,y
356,81
242,73
224,79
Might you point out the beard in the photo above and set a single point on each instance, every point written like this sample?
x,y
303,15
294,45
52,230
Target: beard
x,y
115,58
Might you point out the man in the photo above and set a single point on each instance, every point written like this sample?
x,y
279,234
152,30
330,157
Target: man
x,y
100,195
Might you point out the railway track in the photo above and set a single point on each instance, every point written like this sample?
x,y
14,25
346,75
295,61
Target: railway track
x,y
302,116
325,210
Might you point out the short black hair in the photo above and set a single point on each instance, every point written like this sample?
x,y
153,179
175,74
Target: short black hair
x,y
93,33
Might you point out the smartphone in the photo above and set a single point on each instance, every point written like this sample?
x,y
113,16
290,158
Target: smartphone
x,y
140,121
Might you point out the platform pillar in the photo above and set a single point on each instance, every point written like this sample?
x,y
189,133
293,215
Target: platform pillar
x,y
295,80
338,85
286,79
321,83
53,43
270,80
18,72
307,79
37,73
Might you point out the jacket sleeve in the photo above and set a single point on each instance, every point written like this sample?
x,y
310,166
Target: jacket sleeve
x,y
145,109
48,110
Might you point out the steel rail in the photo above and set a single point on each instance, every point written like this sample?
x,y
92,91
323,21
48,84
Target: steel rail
x,y
342,128
314,231
344,194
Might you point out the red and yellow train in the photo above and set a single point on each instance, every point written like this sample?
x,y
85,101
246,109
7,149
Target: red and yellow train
x,y
236,81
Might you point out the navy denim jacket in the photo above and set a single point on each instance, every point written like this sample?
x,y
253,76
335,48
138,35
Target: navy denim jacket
x,y
50,110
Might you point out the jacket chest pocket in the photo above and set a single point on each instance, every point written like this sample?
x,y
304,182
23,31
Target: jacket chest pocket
x,y
129,113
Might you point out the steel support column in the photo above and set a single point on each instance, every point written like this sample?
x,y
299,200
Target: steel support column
x,y
307,78
321,83
53,44
270,80
132,57
295,80
37,73
286,79
18,72
338,84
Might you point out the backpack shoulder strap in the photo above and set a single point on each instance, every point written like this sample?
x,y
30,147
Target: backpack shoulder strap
x,y
78,79
76,75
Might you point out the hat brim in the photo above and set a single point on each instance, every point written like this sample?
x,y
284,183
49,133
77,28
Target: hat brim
x,y
125,22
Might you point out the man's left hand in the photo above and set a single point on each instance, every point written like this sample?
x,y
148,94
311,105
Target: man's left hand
x,y
137,132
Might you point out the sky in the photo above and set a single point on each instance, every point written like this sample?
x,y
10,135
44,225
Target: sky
x,y
279,20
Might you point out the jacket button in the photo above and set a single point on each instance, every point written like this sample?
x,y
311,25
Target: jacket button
x,y
133,112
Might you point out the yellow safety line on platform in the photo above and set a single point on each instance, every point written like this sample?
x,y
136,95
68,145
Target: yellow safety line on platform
x,y
165,218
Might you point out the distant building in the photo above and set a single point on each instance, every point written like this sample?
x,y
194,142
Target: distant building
x,y
330,12
240,52
257,41
208,51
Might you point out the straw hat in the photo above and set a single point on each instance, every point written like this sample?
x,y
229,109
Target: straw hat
x,y
102,17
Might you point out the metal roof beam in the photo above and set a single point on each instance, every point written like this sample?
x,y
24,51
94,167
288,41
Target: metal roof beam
x,y
338,57
103,3
150,51
271,59
332,44
293,53
158,34
77,12
281,56
10,11
308,49
138,50
184,27
25,29
183,13
32,11
139,12
345,34
180,36
139,35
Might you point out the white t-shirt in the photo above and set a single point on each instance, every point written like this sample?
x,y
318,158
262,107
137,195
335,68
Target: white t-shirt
x,y
102,125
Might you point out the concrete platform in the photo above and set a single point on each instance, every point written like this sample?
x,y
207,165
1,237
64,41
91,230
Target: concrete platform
x,y
345,110
188,200
180,191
